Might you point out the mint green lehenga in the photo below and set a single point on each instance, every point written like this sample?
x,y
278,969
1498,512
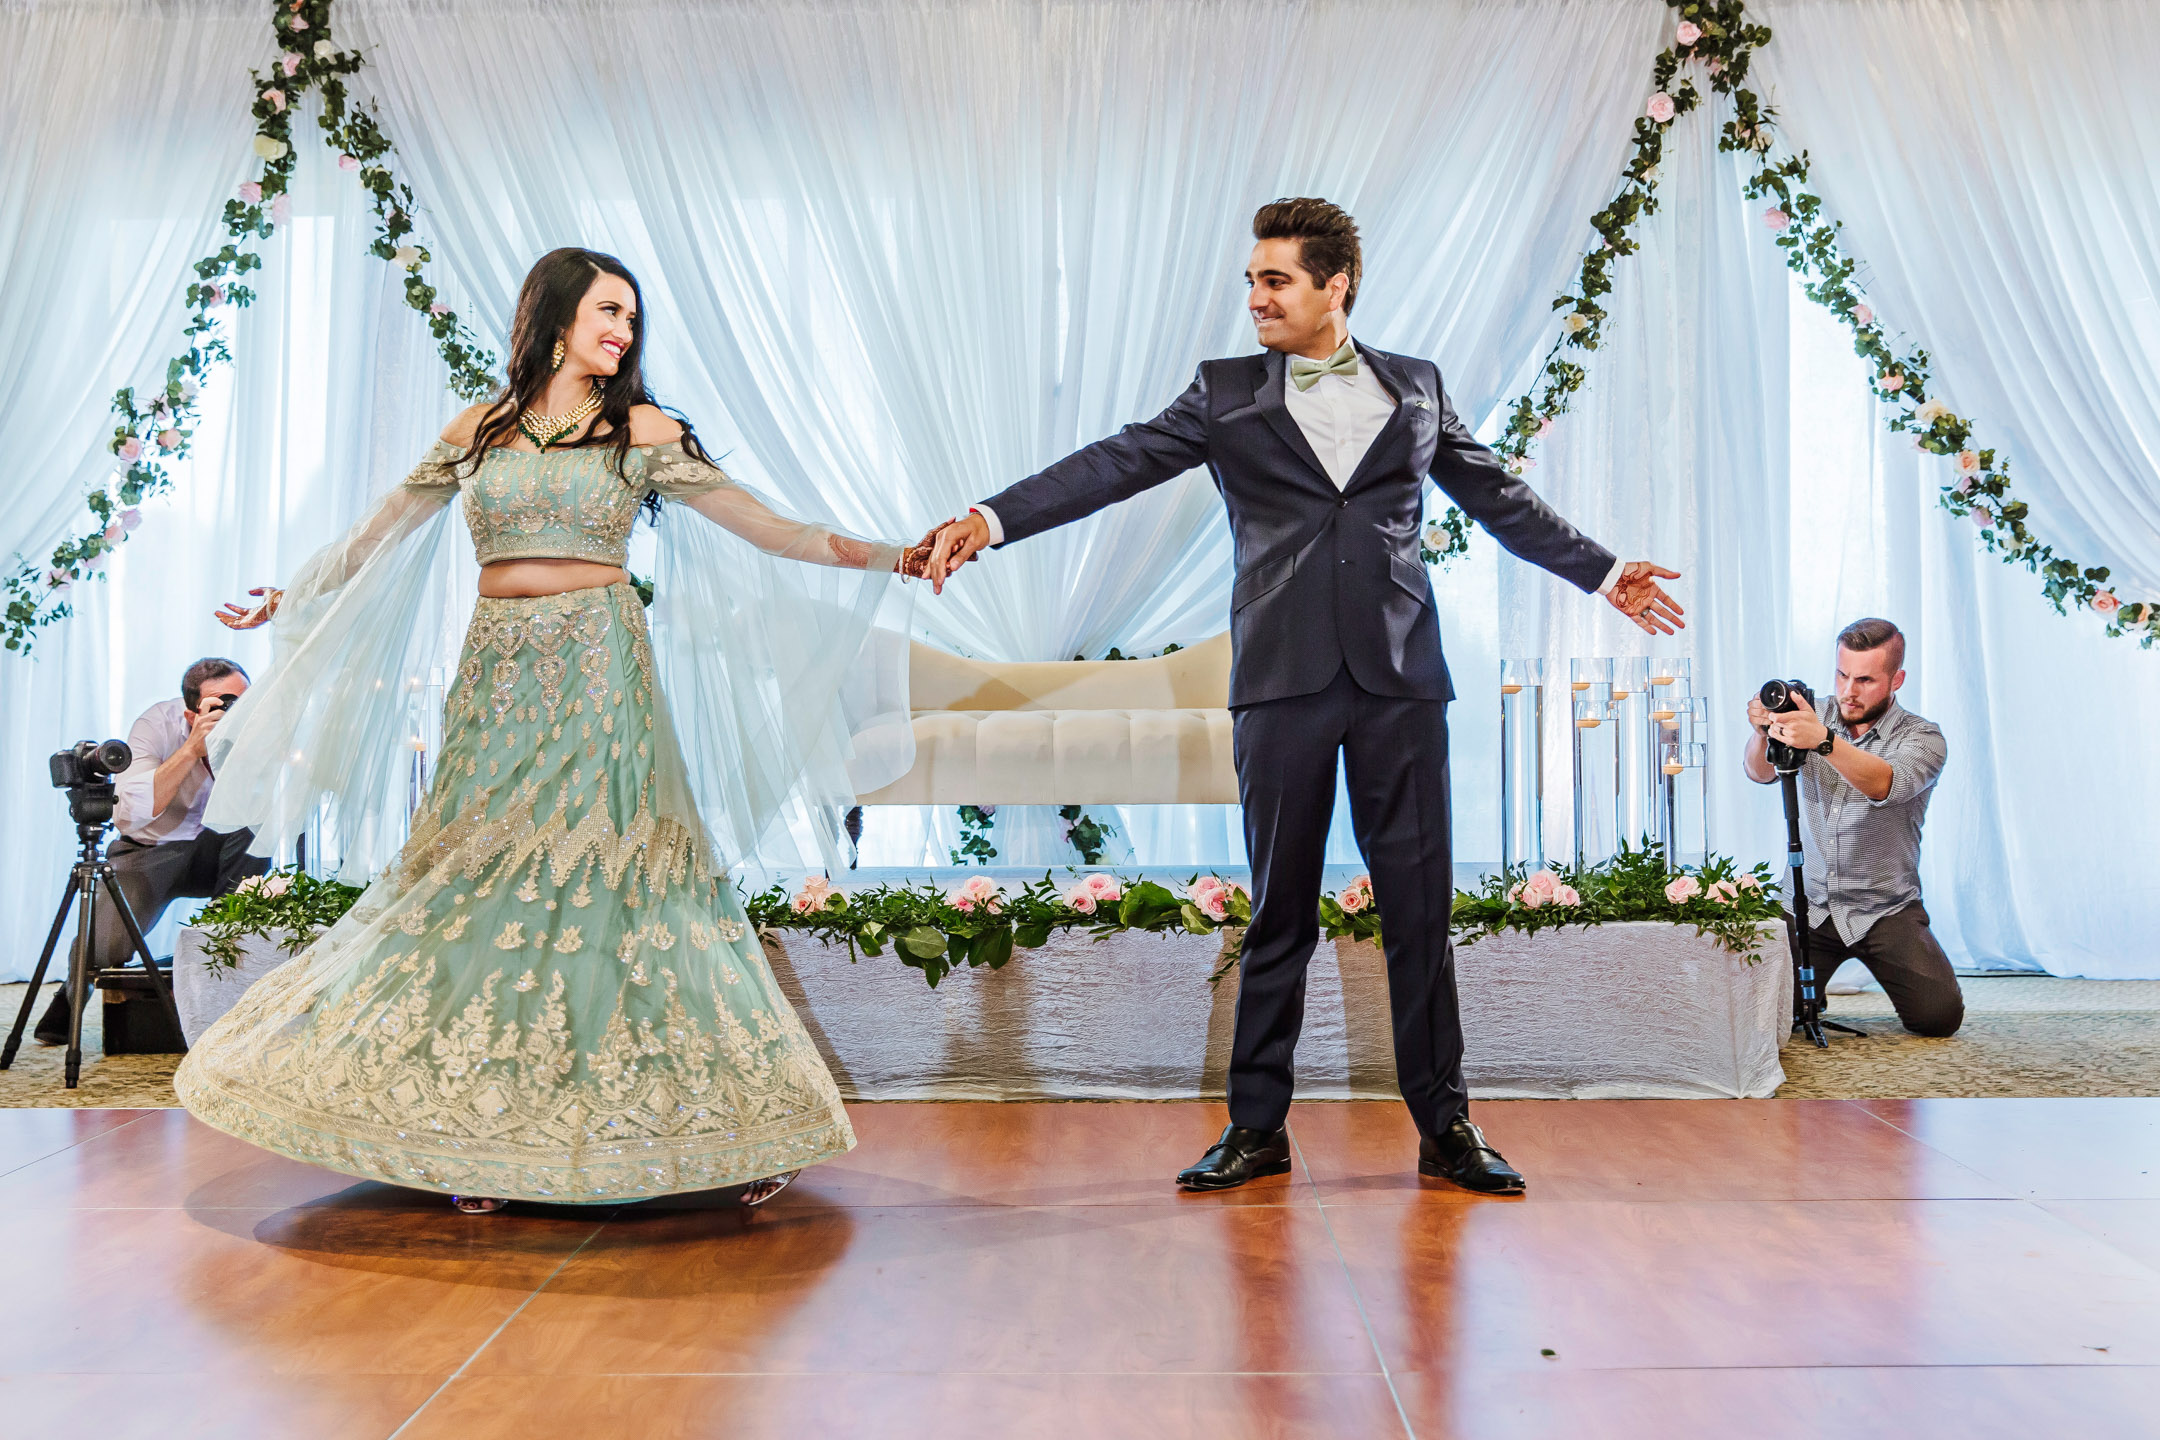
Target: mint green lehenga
x,y
550,990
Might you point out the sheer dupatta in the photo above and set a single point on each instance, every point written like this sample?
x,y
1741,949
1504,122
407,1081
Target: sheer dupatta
x,y
356,632
774,640
762,639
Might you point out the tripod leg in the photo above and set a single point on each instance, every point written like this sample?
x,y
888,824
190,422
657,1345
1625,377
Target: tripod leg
x,y
37,976
110,877
79,964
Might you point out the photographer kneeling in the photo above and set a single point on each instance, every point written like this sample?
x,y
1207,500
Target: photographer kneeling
x,y
163,853
1868,768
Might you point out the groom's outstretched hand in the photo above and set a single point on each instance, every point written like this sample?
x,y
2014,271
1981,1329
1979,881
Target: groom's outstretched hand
x,y
956,544
1637,595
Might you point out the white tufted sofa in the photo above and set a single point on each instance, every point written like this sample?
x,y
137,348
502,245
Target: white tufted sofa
x,y
1078,732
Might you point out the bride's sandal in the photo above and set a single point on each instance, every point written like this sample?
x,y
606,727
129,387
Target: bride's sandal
x,y
757,1192
478,1204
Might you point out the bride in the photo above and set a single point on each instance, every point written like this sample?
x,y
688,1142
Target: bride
x,y
550,992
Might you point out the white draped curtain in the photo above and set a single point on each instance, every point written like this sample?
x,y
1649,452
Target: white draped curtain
x,y
897,256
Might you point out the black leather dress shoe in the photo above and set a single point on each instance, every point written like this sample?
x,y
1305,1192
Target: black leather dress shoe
x,y
1240,1155
1460,1153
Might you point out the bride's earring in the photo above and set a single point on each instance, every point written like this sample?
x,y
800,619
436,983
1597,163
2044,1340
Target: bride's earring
x,y
556,363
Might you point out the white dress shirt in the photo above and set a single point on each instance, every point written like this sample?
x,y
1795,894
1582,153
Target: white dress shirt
x,y
1340,417
155,735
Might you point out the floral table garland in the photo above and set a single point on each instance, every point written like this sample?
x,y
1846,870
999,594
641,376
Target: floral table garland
x,y
155,427
1718,36
979,922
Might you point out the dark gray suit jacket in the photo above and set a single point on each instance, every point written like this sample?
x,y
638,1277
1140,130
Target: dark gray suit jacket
x,y
1325,578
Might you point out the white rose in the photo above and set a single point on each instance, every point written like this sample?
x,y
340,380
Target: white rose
x,y
1575,322
270,147
276,884
407,256
324,49
1931,412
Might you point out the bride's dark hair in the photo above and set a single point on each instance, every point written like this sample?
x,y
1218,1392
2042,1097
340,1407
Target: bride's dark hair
x,y
547,307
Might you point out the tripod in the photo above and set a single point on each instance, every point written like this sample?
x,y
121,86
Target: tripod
x,y
1808,1006
91,873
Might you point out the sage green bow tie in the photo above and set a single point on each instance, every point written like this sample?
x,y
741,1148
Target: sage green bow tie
x,y
1306,373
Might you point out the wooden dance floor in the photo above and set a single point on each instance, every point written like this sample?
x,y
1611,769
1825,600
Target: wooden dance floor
x,y
1953,1268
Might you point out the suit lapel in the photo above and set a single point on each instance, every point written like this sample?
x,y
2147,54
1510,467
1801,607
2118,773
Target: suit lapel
x,y
1390,436
1274,374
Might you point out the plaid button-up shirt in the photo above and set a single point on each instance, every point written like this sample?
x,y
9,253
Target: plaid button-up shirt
x,y
1863,856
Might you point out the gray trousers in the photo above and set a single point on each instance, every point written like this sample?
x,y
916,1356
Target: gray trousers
x,y
152,877
1902,952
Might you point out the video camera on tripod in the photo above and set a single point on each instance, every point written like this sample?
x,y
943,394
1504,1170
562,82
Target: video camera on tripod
x,y
85,770
1785,697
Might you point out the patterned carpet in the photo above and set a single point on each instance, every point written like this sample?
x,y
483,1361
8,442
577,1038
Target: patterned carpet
x,y
2023,1036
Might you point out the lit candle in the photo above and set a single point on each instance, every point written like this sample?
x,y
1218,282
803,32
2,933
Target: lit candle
x,y
1511,689
1673,767
1579,684
1661,679
1662,714
1587,724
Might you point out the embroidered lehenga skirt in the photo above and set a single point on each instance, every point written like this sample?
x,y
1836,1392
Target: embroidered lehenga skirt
x,y
552,995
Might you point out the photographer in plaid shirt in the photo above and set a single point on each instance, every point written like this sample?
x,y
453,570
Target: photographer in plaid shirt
x,y
1864,792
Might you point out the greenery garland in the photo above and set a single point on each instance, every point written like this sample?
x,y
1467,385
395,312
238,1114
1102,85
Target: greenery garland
x,y
980,923
1718,36
289,906
153,428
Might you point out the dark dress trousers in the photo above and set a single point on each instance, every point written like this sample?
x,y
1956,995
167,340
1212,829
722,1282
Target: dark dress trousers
x,y
1335,650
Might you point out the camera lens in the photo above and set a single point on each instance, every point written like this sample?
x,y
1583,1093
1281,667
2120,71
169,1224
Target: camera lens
x,y
1775,695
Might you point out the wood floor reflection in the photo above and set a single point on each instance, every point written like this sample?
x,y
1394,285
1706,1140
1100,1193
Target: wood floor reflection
x,y
1679,1269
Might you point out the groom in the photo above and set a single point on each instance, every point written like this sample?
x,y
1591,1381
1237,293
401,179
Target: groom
x,y
1321,448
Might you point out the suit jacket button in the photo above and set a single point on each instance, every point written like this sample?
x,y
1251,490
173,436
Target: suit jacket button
x,y
1342,504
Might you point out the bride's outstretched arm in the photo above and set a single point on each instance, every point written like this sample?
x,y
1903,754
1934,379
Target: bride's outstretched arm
x,y
408,506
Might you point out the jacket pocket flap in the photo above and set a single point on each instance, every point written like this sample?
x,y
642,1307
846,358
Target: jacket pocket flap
x,y
1258,581
1409,574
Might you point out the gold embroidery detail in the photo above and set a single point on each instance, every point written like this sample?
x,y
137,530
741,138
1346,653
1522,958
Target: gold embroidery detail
x,y
570,941
512,937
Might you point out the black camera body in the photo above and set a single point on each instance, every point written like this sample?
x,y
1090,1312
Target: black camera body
x,y
85,770
1782,696
87,762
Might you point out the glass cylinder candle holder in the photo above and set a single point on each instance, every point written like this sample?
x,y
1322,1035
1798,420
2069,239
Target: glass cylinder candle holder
x,y
1596,760
1636,794
1691,795
1669,724
1522,763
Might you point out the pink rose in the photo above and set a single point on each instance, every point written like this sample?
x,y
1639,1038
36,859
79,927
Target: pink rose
x,y
114,532
289,63
1688,33
816,894
1214,906
1540,887
1565,897
1982,516
348,162
438,308
130,518
213,294
1660,108
1544,426
281,209
1749,882
131,448
1104,887
1776,219
1964,486
1081,899
276,99
964,905
251,192
1683,889
979,890
1714,65
1724,892
1968,462
2106,603
299,22
1356,896
168,439
1862,315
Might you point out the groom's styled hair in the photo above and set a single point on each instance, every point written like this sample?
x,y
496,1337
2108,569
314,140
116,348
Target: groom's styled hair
x,y
1326,235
